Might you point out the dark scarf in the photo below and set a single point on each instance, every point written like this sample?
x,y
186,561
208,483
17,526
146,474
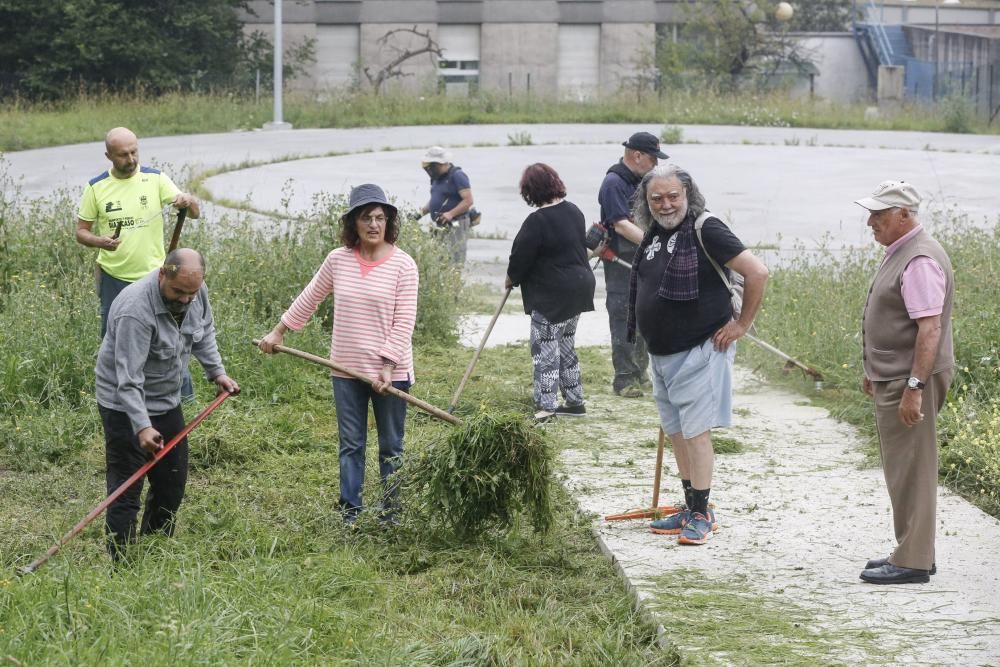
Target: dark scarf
x,y
679,281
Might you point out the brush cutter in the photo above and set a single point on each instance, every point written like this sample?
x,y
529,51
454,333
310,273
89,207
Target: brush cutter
x,y
608,255
409,398
789,361
178,226
475,357
654,510
104,504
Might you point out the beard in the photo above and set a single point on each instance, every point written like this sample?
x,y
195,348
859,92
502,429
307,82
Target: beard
x,y
176,307
671,221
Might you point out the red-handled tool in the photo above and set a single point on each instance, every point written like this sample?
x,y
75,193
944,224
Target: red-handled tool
x,y
94,513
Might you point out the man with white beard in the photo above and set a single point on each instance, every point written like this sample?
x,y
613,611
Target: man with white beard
x,y
683,311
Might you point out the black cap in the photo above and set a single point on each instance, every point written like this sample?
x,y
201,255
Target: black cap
x,y
647,143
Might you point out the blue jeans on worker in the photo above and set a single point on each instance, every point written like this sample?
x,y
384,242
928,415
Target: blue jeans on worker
x,y
351,398
108,289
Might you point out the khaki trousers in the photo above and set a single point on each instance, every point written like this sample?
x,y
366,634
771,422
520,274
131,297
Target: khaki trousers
x,y
910,464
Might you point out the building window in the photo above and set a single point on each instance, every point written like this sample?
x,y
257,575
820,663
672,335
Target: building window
x,y
458,69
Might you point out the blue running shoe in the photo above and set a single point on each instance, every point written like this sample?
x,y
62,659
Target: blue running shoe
x,y
670,525
697,530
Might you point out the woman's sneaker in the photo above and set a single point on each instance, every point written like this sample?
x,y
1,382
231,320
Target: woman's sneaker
x,y
571,410
698,529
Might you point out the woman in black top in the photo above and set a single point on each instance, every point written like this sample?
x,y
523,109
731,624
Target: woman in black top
x,y
549,262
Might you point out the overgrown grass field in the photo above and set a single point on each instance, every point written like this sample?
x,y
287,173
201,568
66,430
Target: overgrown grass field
x,y
83,118
262,570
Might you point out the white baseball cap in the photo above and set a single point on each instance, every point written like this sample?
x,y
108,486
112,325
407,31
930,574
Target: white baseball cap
x,y
891,194
436,154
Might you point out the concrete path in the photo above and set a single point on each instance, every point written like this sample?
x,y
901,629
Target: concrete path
x,y
799,515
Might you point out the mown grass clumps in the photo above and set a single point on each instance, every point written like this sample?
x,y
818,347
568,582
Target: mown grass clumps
x,y
482,475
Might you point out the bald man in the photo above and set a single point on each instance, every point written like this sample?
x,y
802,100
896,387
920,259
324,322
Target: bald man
x,y
155,325
120,214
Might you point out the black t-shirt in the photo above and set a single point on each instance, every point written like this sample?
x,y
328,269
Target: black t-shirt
x,y
548,259
670,326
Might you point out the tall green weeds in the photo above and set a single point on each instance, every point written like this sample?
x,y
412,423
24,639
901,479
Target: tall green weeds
x,y
813,312
84,118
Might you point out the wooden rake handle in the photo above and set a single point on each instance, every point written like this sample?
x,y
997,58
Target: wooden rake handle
x,y
178,226
479,350
409,398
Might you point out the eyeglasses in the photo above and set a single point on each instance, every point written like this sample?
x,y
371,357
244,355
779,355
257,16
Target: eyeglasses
x,y
377,219
672,197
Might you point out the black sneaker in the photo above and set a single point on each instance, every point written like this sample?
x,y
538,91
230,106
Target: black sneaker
x,y
571,410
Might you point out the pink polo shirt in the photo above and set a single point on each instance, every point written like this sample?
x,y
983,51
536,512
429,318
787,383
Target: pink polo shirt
x,y
923,282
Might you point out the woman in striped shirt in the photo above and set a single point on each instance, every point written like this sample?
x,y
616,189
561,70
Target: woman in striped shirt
x,y
374,288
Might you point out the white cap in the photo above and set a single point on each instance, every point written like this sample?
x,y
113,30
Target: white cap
x,y
436,154
892,194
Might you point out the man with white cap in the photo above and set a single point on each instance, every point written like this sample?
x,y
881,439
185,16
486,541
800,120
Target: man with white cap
x,y
450,202
909,363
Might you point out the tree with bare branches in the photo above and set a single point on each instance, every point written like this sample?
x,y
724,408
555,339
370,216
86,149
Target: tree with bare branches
x,y
394,68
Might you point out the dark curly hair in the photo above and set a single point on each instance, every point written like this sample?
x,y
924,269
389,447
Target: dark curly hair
x,y
349,224
540,184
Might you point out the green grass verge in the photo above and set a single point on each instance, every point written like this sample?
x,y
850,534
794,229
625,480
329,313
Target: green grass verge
x,y
84,118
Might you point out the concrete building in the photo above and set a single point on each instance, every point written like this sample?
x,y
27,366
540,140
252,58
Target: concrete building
x,y
568,48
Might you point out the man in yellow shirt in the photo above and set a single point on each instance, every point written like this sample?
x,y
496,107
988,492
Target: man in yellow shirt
x,y
120,213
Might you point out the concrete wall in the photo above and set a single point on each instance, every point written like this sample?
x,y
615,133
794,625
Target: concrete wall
x,y
420,71
291,34
512,51
627,54
842,76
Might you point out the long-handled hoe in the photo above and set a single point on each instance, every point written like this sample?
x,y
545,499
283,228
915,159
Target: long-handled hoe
x,y
409,398
94,513
479,350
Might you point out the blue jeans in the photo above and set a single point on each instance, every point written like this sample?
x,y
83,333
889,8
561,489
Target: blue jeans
x,y
351,399
108,289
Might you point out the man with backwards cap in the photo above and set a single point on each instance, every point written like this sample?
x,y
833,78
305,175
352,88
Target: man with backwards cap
x,y
642,152
450,202
909,364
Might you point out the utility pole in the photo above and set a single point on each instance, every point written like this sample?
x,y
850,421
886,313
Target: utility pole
x,y
278,123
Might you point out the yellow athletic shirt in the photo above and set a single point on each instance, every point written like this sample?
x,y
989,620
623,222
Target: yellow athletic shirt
x,y
136,203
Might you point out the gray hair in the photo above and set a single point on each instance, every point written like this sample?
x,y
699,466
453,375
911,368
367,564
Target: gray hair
x,y
643,217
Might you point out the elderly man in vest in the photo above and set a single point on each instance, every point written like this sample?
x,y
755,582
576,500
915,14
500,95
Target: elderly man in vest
x,y
909,363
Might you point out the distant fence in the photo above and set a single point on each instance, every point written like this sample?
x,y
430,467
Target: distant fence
x,y
978,84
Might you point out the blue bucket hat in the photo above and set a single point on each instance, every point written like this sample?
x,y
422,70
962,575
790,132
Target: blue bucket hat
x,y
365,194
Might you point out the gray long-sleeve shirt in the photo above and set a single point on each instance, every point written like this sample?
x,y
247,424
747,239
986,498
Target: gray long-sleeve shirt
x,y
144,352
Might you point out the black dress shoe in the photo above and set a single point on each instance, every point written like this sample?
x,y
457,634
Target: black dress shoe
x,y
879,562
893,574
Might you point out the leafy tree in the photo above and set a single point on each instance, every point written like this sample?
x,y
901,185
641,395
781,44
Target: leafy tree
x,y
50,48
821,15
726,42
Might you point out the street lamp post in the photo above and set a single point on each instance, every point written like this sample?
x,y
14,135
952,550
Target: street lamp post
x,y
278,123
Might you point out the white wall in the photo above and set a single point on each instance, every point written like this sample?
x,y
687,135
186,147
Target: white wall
x,y
842,76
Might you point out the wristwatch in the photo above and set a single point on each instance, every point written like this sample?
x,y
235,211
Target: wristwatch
x,y
914,383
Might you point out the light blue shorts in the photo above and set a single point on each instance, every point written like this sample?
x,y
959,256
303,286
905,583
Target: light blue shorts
x,y
694,389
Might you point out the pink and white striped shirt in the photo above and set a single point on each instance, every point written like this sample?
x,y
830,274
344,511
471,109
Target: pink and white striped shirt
x,y
374,310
